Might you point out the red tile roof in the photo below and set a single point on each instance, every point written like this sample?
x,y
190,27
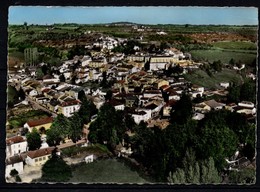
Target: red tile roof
x,y
40,152
69,103
15,139
38,122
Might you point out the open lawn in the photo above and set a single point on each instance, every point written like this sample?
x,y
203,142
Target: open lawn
x,y
201,78
235,45
105,171
224,56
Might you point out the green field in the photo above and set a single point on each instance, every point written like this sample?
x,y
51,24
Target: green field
x,y
105,171
201,78
224,56
246,45
21,119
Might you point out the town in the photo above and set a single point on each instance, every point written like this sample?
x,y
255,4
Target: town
x,y
149,102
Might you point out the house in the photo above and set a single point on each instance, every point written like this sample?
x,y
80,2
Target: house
x,y
15,145
89,158
168,107
140,116
117,104
202,107
39,124
198,116
246,104
68,107
13,163
214,104
161,82
224,84
230,106
38,157
130,101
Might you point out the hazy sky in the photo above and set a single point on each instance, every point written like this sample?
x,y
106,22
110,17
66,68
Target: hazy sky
x,y
142,15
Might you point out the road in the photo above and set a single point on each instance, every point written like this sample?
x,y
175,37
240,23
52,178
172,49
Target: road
x,y
36,105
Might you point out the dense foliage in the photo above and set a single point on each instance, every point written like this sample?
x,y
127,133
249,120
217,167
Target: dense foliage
x,y
34,140
56,170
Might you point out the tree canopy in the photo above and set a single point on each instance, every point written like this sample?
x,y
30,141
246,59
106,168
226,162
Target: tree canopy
x,y
56,170
34,140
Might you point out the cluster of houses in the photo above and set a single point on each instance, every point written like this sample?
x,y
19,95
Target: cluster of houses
x,y
146,95
17,155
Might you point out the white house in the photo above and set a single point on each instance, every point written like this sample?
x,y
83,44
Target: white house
x,y
33,93
67,108
140,116
117,104
38,157
89,158
224,84
246,104
15,145
13,163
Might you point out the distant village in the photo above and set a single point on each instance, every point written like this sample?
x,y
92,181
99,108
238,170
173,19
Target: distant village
x,y
139,87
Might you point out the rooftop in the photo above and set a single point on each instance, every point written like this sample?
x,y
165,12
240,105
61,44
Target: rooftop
x,y
40,121
40,152
15,139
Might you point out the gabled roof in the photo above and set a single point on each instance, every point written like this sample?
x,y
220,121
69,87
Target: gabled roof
x,y
38,122
40,152
13,160
15,139
69,103
212,103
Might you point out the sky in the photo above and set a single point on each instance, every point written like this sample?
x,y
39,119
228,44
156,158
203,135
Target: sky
x,y
142,15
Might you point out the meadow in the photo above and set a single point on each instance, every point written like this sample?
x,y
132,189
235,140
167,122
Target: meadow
x,y
223,55
105,171
200,77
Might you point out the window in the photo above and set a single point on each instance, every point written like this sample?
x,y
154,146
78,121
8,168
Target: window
x,y
43,158
18,146
40,159
36,160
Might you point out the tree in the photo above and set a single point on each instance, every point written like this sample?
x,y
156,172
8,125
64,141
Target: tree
x,y
104,82
109,95
217,66
39,73
182,111
75,130
58,130
62,78
56,170
147,66
109,127
248,91
203,172
34,140
233,93
87,109
216,140
14,172
232,62
25,25
243,176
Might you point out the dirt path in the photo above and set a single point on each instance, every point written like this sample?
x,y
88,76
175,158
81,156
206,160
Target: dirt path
x,y
30,173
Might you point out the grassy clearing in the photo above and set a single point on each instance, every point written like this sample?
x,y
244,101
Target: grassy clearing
x,y
201,78
235,45
105,171
224,56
